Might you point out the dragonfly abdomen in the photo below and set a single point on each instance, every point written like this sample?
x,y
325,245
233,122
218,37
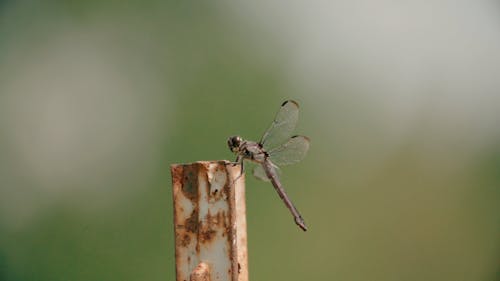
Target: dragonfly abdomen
x,y
273,176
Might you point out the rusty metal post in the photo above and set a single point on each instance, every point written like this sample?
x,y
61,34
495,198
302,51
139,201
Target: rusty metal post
x,y
209,221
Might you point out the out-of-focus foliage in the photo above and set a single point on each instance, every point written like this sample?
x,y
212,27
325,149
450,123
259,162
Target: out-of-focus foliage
x,y
98,98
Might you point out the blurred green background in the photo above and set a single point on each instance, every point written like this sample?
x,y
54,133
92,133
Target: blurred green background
x,y
401,101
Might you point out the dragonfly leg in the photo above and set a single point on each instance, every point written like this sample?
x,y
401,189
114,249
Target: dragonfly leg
x,y
239,160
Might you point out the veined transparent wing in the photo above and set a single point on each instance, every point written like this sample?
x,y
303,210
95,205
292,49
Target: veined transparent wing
x,y
291,152
259,172
283,125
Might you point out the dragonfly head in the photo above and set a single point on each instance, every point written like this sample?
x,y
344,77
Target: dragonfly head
x,y
234,143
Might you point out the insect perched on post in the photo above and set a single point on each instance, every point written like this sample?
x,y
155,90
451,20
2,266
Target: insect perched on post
x,y
276,148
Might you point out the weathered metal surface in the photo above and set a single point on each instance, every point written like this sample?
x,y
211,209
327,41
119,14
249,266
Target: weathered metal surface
x,y
200,273
210,221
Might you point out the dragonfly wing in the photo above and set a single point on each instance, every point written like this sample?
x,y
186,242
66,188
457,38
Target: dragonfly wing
x,y
283,125
259,173
291,152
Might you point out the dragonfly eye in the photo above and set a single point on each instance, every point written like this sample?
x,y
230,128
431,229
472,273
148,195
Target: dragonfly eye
x,y
234,143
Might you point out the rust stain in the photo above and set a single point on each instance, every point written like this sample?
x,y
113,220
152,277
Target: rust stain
x,y
176,171
190,181
230,229
213,223
206,235
191,224
200,273
218,220
185,240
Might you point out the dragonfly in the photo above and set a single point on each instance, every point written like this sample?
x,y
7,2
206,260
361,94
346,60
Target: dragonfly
x,y
277,147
